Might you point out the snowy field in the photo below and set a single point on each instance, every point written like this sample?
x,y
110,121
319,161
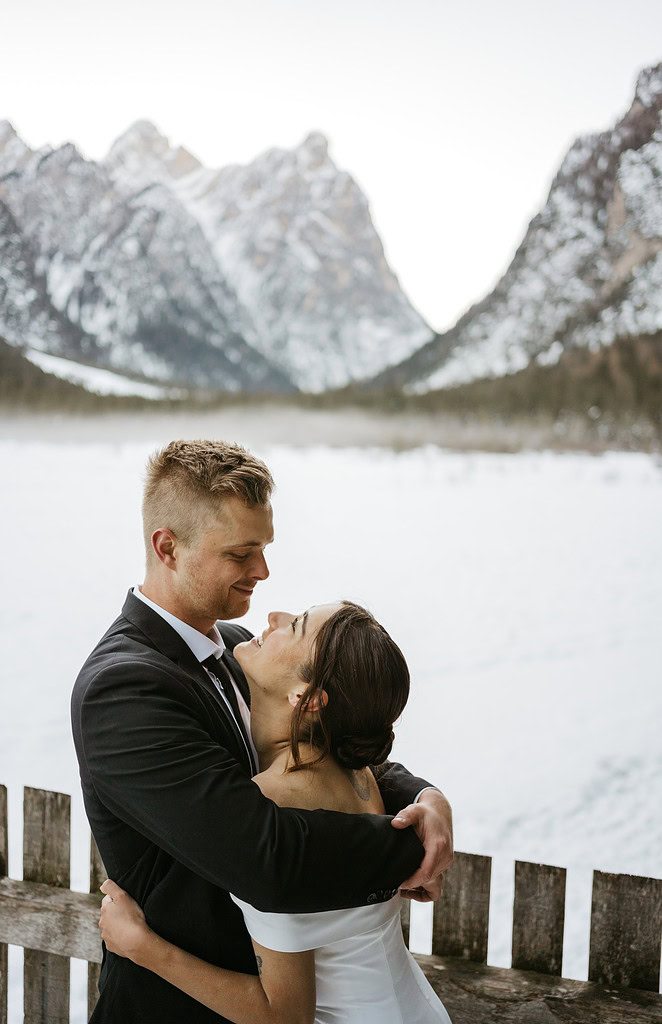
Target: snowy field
x,y
525,590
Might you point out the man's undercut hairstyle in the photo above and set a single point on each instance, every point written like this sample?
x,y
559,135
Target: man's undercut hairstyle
x,y
187,481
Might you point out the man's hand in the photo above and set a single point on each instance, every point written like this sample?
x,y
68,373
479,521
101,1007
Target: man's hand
x,y
432,820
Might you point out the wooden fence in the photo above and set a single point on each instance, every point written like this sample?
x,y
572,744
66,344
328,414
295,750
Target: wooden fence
x,y
52,924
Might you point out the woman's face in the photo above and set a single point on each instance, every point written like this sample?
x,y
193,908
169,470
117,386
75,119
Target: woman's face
x,y
272,660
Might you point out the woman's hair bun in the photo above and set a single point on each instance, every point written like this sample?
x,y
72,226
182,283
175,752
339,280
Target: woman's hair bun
x,y
363,681
360,751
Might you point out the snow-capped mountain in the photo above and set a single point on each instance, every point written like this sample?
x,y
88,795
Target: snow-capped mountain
x,y
589,270
294,239
265,277
27,314
131,272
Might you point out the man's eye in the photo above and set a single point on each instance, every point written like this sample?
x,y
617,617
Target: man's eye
x,y
239,558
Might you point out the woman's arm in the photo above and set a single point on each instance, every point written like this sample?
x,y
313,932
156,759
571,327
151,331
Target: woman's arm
x,y
283,992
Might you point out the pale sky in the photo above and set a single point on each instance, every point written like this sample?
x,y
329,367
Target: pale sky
x,y
453,118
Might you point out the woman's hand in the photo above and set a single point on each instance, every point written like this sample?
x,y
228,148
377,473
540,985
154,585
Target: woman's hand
x,y
122,923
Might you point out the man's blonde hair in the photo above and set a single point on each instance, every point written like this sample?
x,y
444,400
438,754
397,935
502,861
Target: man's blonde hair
x,y
188,480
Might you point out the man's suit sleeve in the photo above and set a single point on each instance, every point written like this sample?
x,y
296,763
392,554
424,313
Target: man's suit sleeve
x,y
155,766
397,786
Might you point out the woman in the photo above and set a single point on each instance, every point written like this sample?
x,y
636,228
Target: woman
x,y
326,687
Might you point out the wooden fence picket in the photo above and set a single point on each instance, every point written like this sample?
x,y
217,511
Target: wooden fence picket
x,y
46,858
461,915
538,917
626,923
97,875
4,871
405,919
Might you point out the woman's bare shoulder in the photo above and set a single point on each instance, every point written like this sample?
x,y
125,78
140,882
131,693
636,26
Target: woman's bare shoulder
x,y
290,789
315,789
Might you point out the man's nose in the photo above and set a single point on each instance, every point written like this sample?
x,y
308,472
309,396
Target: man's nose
x,y
260,569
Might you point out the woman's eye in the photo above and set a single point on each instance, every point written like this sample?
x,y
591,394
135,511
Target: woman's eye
x,y
294,622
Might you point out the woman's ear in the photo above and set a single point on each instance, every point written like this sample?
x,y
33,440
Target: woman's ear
x,y
318,700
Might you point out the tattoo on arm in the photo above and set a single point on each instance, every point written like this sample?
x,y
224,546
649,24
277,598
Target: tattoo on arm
x,y
259,965
361,784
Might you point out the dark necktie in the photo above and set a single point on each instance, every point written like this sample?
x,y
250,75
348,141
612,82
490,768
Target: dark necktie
x,y
227,688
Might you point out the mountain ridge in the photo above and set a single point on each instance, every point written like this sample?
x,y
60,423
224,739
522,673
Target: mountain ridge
x,y
291,210
265,276
587,272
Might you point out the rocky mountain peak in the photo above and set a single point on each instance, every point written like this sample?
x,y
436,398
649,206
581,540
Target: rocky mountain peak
x,y
13,150
649,86
313,151
146,154
7,132
588,272
63,155
142,134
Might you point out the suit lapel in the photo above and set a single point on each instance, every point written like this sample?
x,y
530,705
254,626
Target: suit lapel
x,y
221,670
170,644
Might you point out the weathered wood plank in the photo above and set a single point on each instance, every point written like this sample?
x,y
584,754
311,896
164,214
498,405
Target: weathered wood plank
x,y
538,917
461,915
405,919
46,837
626,931
475,994
50,920
4,869
97,875
46,858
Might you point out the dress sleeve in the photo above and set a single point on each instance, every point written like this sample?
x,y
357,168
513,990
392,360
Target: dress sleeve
x,y
284,933
292,933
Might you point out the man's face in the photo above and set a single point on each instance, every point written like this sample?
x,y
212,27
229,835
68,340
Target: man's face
x,y
218,571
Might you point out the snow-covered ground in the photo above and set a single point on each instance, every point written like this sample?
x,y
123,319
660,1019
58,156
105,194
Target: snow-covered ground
x,y
525,591
92,378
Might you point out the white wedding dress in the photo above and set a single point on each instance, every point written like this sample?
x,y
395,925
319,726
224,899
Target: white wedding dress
x,y
364,973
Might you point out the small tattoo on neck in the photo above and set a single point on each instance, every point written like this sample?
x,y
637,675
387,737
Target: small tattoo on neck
x,y
360,784
259,964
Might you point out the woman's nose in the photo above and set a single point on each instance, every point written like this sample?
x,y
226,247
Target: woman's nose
x,y
277,619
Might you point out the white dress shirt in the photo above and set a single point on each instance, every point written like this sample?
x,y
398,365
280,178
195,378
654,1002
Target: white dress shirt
x,y
203,646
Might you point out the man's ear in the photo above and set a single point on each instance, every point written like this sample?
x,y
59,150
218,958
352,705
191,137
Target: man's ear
x,y
164,544
314,703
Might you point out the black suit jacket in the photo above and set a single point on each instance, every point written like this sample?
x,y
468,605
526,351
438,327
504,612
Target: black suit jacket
x,y
180,824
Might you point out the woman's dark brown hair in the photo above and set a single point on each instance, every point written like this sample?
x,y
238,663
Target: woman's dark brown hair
x,y
366,678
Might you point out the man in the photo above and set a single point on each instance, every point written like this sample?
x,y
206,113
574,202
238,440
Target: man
x,y
160,720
